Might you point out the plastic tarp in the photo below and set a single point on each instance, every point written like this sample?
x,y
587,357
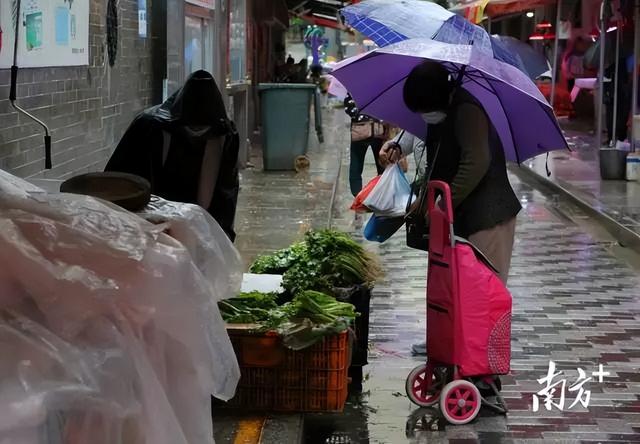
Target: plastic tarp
x,y
210,249
109,327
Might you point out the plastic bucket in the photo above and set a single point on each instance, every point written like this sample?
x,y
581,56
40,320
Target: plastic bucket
x,y
633,166
613,164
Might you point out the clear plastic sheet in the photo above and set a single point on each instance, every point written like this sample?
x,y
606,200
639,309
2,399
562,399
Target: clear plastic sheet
x,y
109,332
205,240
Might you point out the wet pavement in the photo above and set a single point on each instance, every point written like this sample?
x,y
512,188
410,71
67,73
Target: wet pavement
x,y
576,300
579,172
276,208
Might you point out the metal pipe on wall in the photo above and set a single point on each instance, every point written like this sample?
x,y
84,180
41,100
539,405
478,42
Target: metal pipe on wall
x,y
614,134
220,59
13,89
554,73
601,77
636,59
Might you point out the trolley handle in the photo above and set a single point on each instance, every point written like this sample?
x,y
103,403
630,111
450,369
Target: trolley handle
x,y
443,189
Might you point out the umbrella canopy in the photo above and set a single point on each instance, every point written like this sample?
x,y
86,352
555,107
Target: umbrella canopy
x,y
535,63
592,56
522,117
337,89
391,21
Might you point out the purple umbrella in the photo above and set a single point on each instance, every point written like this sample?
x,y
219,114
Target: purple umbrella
x,y
522,117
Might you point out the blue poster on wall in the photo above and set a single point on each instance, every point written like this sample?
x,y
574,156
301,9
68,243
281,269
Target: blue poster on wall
x,y
142,18
62,26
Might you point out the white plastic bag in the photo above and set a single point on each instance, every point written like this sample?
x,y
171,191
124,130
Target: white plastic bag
x,y
391,193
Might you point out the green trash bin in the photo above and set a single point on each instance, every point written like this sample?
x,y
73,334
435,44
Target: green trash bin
x,y
285,109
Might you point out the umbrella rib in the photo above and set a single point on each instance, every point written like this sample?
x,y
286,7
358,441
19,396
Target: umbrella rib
x,y
513,138
454,67
557,125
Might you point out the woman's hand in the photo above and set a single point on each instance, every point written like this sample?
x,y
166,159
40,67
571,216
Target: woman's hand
x,y
389,153
404,163
415,205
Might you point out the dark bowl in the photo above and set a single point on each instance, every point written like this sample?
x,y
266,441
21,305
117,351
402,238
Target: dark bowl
x,y
128,191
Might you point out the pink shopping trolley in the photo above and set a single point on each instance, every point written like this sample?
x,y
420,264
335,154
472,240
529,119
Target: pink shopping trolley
x,y
468,323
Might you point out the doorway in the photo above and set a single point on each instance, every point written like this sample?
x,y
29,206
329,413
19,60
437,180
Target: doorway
x,y
198,43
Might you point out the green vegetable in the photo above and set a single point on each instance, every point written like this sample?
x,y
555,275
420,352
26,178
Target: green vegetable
x,y
255,299
304,275
252,308
261,308
314,315
310,316
280,261
326,259
346,261
321,308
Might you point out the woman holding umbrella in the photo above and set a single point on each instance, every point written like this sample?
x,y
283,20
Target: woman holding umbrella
x,y
464,150
489,114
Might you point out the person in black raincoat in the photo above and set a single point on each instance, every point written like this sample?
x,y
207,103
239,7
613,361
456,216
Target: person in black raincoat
x,y
187,148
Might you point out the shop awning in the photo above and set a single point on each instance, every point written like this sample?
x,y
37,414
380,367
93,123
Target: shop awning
x,y
319,12
476,10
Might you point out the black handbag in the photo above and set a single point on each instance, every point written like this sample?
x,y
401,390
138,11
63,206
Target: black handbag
x,y
417,226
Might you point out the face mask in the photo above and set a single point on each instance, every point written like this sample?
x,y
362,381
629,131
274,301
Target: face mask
x,y
434,117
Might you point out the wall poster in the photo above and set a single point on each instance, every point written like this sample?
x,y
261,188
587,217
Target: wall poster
x,y
51,33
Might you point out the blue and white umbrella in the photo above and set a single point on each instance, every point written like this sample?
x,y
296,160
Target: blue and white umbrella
x,y
391,21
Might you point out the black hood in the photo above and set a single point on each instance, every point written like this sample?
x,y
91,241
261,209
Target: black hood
x,y
198,103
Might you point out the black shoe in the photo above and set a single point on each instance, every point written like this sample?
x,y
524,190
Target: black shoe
x,y
485,389
419,349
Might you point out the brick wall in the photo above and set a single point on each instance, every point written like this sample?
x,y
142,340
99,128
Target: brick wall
x,y
87,108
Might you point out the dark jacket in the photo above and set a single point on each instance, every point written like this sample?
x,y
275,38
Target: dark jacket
x,y
491,201
174,173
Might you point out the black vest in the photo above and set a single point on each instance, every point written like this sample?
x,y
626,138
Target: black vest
x,y
493,201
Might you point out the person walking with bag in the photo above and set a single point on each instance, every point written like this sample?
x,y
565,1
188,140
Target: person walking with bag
x,y
365,132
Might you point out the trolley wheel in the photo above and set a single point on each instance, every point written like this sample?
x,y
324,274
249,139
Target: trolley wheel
x,y
416,386
460,402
